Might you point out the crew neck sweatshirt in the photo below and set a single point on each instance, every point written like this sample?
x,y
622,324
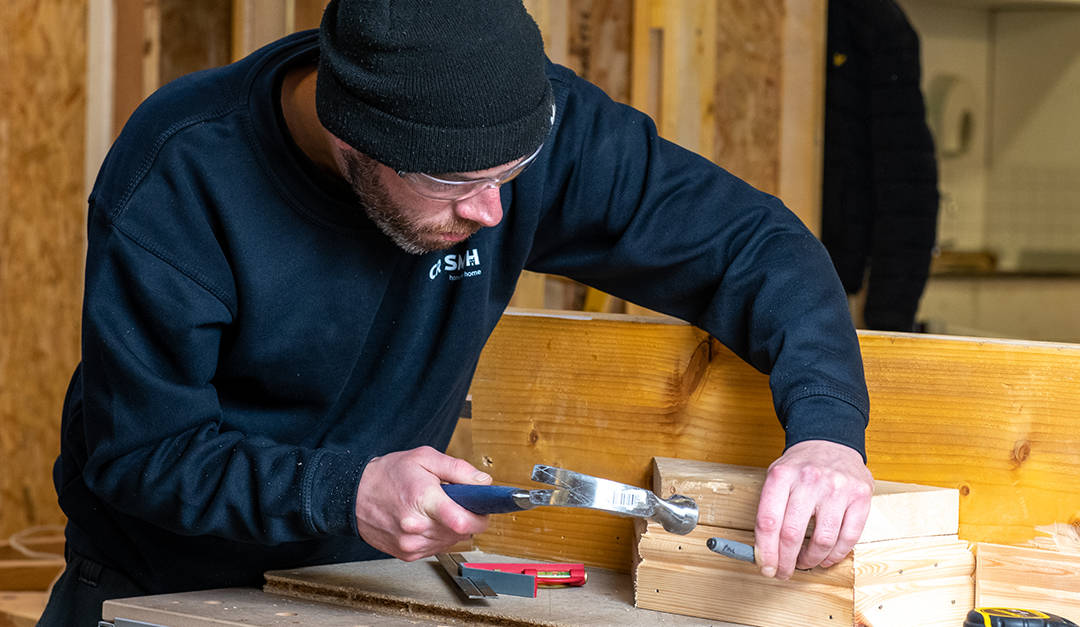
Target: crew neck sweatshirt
x,y
251,339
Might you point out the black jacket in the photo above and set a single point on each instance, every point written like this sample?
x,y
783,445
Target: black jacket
x,y
880,195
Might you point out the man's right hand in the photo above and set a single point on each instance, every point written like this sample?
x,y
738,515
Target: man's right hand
x,y
401,508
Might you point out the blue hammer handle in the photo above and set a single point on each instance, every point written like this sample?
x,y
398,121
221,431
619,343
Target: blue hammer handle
x,y
484,499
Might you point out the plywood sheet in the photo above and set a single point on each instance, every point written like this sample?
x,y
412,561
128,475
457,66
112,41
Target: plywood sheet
x,y
422,589
42,222
250,607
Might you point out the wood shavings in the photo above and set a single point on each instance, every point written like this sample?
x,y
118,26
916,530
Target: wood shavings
x,y
1061,537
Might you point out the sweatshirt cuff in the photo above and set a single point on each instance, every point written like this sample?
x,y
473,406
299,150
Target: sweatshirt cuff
x,y
329,493
829,418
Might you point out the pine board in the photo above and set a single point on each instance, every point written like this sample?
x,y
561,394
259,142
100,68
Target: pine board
x,y
1015,576
727,496
603,394
893,583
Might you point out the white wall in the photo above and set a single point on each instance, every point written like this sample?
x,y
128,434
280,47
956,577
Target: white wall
x,y
956,42
1034,176
1018,187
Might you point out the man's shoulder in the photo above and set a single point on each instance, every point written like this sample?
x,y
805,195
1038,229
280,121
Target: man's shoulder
x,y
200,123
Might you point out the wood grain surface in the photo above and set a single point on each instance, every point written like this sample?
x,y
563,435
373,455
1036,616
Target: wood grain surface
x,y
604,394
42,226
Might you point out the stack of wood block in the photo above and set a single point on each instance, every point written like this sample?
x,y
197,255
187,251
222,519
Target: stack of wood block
x,y
909,567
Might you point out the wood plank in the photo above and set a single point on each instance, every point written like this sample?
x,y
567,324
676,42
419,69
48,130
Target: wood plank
x,y
308,13
1014,576
727,496
603,394
250,607
680,574
256,23
29,574
802,109
21,609
129,53
35,547
422,589
195,35
913,581
553,18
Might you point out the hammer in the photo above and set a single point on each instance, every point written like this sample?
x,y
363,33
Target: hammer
x,y
678,514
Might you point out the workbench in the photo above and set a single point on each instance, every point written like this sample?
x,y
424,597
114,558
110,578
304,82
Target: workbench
x,y
605,394
392,592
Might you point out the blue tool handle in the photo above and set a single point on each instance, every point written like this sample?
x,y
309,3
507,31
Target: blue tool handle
x,y
484,499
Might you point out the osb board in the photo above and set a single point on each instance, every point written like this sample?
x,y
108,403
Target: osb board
x,y
599,44
42,222
740,82
195,35
604,394
1015,576
895,583
422,589
727,496
747,90
250,607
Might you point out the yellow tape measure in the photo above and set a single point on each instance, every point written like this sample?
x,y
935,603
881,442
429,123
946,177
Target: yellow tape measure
x,y
1014,617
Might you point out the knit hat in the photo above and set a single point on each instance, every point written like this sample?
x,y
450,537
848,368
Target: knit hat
x,y
434,85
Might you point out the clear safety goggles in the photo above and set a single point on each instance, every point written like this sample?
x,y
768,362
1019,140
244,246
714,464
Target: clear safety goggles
x,y
448,189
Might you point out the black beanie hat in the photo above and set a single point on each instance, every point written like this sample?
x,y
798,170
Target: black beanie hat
x,y
434,85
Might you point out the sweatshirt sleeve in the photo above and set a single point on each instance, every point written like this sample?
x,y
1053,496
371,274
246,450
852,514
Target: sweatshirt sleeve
x,y
157,446
641,218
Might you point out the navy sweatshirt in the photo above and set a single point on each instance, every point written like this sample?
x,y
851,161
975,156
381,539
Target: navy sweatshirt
x,y
250,339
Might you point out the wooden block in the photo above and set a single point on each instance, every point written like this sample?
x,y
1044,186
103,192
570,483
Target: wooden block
x,y
727,496
21,609
914,581
1038,579
21,571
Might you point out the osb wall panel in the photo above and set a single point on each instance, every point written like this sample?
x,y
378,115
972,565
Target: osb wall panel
x,y
195,35
749,63
42,222
599,44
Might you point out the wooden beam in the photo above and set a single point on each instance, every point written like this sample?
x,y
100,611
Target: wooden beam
x,y
604,394
916,581
258,22
130,50
727,496
802,110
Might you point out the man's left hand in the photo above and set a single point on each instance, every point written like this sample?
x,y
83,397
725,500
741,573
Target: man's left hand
x,y
819,479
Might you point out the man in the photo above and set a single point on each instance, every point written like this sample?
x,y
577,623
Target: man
x,y
275,347
880,179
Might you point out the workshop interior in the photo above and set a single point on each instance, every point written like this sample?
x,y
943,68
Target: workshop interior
x,y
628,449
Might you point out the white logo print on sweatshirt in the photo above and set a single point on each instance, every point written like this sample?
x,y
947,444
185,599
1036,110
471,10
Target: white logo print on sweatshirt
x,y
457,266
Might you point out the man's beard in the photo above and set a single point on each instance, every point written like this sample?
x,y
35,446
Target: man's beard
x,y
391,218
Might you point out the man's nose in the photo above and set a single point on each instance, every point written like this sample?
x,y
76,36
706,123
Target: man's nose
x,y
484,208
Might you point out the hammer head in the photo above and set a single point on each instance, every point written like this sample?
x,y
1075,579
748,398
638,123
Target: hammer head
x,y
678,514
